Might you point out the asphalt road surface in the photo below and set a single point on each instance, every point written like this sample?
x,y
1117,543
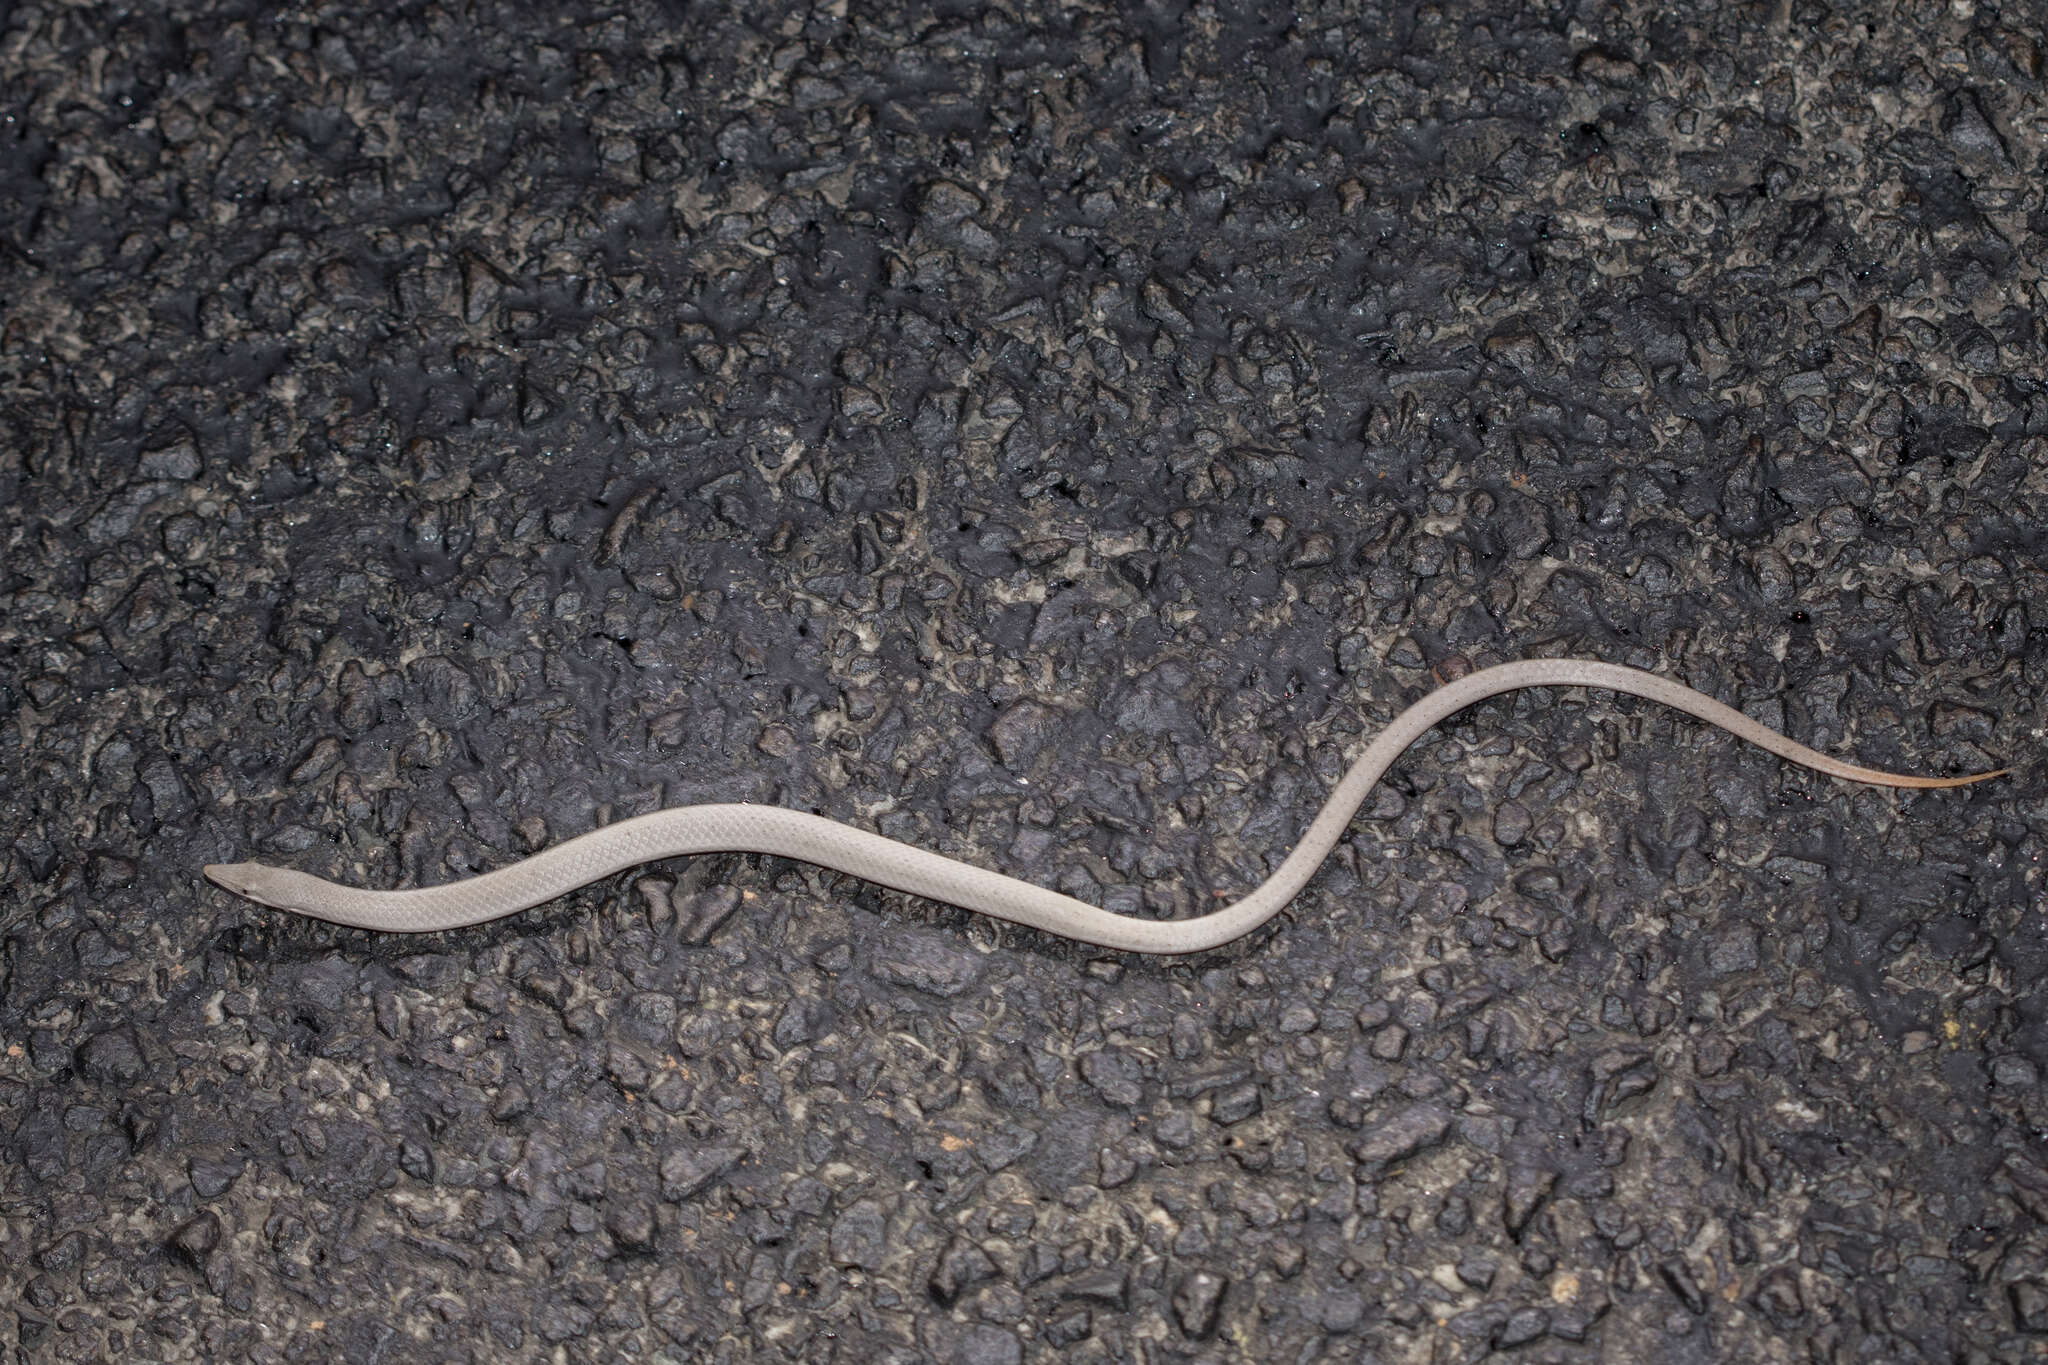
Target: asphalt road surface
x,y
1058,435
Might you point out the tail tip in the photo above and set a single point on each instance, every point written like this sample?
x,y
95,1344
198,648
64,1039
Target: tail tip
x,y
1972,780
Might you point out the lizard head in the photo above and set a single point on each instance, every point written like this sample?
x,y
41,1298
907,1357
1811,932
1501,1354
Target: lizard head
x,y
262,884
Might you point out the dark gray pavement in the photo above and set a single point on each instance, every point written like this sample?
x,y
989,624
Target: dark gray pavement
x,y
1057,435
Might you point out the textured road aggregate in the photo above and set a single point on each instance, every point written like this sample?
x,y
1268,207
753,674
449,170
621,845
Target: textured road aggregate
x,y
1057,434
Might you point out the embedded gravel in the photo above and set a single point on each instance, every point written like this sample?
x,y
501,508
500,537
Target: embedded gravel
x,y
1055,434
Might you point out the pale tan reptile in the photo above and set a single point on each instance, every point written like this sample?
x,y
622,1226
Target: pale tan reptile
x,y
814,839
